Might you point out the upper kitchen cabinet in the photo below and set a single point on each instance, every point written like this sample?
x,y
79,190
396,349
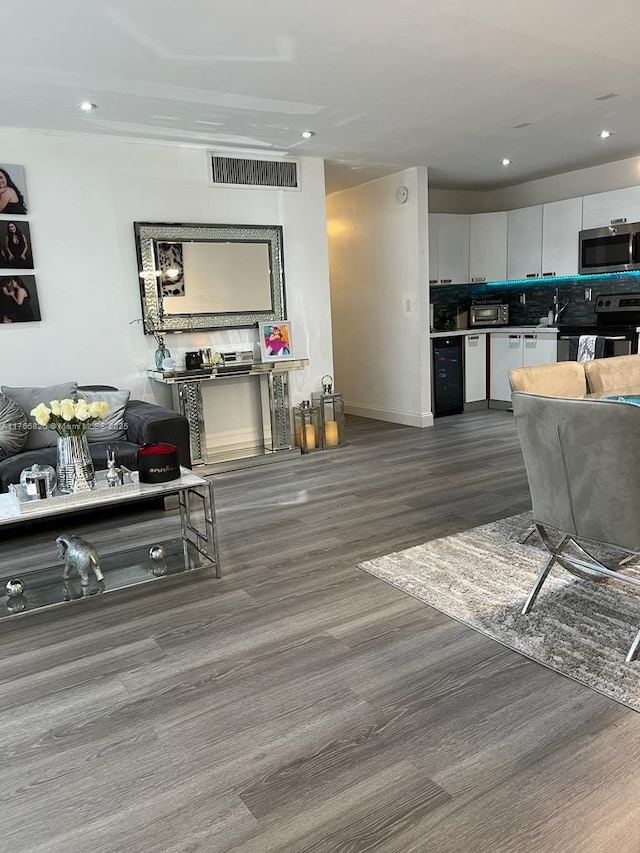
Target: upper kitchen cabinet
x,y
449,262
561,223
524,230
488,246
600,209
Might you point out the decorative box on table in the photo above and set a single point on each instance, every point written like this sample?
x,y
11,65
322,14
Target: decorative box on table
x,y
158,463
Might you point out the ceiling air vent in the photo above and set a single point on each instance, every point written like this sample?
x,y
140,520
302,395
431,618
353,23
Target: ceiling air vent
x,y
254,173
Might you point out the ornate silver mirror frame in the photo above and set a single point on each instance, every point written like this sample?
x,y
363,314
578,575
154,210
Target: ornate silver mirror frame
x,y
156,319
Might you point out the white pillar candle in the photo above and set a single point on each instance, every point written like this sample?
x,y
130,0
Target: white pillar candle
x,y
331,437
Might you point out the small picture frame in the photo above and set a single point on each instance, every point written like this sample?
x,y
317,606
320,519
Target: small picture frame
x,y
275,340
13,191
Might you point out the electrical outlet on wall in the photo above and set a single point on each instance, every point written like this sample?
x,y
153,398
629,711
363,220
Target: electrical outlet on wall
x,y
408,304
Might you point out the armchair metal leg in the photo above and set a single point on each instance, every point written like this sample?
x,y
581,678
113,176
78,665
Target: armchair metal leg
x,y
530,533
633,651
538,585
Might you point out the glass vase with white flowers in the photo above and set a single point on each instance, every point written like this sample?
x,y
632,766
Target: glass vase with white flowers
x,y
71,419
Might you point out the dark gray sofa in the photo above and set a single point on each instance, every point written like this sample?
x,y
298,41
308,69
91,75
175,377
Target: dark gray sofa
x,y
146,424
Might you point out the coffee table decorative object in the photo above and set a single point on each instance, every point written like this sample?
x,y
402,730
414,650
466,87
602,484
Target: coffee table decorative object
x,y
71,419
80,558
38,481
190,548
158,463
157,562
14,588
28,504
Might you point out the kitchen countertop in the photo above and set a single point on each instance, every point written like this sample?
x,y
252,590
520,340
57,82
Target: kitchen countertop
x,y
485,330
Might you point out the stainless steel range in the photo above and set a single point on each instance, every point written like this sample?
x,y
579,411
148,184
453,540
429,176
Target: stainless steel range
x,y
617,320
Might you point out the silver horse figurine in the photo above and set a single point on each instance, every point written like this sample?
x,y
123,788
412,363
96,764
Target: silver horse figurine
x,y
80,557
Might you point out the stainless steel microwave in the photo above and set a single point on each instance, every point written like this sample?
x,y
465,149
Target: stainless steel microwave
x,y
615,248
489,314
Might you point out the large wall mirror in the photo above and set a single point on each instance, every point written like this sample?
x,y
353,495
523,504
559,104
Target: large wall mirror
x,y
209,276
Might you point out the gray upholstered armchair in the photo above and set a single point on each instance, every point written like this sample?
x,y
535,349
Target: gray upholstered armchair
x,y
582,459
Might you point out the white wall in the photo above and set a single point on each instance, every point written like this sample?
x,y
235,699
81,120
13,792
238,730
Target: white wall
x,y
84,193
378,254
596,179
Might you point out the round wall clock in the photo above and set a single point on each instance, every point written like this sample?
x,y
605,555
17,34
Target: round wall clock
x,y
402,194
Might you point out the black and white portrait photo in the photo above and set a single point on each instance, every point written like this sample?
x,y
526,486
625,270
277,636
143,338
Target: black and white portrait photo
x,y
18,299
13,190
15,245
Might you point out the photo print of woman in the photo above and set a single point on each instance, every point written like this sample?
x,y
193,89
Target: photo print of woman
x,y
18,299
12,190
15,245
276,339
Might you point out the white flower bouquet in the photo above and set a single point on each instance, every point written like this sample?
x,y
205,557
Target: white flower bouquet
x,y
70,417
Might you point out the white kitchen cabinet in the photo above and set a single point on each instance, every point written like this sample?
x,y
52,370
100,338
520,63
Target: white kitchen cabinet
x,y
517,349
599,209
475,368
506,352
539,349
451,234
488,246
524,242
561,223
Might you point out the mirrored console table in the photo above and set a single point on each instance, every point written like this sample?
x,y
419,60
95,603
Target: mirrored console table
x,y
274,385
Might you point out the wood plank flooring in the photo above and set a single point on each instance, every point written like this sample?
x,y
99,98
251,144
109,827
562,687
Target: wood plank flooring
x,y
299,704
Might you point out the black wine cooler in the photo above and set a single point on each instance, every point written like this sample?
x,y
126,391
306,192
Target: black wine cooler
x,y
448,376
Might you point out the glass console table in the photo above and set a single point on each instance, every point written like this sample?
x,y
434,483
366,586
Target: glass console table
x,y
273,379
190,548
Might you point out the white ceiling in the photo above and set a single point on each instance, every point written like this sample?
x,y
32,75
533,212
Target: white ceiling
x,y
384,83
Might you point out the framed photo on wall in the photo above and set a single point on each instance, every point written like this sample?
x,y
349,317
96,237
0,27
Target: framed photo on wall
x,y
13,190
275,340
18,299
15,245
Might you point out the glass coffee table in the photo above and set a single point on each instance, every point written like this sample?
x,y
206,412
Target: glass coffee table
x,y
194,546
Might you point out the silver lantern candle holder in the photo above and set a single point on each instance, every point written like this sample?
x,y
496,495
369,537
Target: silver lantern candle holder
x,y
306,427
331,408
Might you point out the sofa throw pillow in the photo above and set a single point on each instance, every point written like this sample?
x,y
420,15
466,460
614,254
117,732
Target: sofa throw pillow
x,y
13,427
29,398
113,427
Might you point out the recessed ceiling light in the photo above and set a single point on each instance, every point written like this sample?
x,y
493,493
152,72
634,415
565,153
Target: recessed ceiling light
x,y
87,106
605,134
307,134
506,161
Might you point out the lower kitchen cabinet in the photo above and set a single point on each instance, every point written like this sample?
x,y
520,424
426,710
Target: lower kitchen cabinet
x,y
517,349
475,368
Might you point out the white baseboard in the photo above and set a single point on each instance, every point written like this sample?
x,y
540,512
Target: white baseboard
x,y
424,419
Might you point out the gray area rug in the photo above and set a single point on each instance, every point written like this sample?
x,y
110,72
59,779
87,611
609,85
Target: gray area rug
x,y
482,577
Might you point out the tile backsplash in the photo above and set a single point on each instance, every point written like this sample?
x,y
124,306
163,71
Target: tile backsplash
x,y
538,298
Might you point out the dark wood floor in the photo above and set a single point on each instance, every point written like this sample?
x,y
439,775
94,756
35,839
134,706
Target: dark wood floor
x,y
299,704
